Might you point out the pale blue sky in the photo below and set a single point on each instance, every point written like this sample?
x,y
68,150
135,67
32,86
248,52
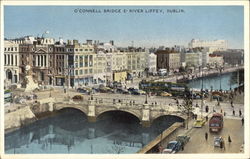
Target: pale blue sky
x,y
168,29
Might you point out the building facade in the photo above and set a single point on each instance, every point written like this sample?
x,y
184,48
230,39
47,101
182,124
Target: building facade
x,y
80,63
215,60
232,57
193,59
168,60
151,64
11,62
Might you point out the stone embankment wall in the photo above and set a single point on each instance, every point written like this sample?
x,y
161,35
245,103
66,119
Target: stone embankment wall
x,y
18,118
28,114
152,147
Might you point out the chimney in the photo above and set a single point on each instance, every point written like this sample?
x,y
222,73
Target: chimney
x,y
75,42
111,42
89,42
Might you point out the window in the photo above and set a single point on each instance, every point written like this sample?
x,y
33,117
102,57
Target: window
x,y
8,49
81,64
76,72
86,71
80,72
5,49
90,70
76,49
81,49
4,59
86,49
90,49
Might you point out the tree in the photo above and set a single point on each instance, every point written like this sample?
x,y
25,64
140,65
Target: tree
x,y
187,106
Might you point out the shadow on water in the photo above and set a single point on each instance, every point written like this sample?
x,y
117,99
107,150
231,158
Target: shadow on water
x,y
70,132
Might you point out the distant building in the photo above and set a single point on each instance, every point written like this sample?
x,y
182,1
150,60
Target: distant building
x,y
193,59
232,57
168,59
215,45
215,60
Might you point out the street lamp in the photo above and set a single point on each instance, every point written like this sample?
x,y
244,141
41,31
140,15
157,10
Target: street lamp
x,y
220,77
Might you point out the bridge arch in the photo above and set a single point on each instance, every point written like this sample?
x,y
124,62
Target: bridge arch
x,y
80,108
161,116
118,110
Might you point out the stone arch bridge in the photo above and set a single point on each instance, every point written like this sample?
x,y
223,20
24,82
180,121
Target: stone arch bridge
x,y
144,112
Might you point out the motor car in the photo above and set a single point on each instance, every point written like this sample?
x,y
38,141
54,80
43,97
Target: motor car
x,y
183,139
199,122
131,89
166,94
141,92
217,141
173,147
122,91
82,90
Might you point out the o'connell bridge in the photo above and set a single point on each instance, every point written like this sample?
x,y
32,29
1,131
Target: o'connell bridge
x,y
92,108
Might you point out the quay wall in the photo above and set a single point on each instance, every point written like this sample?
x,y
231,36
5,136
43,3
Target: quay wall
x,y
18,118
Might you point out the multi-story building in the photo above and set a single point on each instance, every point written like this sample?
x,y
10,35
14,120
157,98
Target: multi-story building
x,y
119,61
58,62
136,62
232,57
151,64
193,59
168,59
215,45
11,62
215,60
36,52
80,63
100,67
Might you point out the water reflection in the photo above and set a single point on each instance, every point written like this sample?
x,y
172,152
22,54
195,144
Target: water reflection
x,y
225,82
70,132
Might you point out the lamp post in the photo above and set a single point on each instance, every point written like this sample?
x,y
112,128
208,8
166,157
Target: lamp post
x,y
220,77
201,92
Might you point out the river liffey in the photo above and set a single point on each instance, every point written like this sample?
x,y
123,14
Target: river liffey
x,y
224,82
69,131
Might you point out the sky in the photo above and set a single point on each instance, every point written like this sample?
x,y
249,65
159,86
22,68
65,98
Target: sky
x,y
144,29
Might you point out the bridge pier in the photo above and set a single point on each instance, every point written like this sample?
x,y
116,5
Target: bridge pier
x,y
146,116
91,111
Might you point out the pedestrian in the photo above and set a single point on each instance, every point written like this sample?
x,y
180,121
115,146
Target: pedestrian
x,y
231,103
206,118
206,136
221,110
207,109
240,113
229,139
233,112
224,113
242,121
221,144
